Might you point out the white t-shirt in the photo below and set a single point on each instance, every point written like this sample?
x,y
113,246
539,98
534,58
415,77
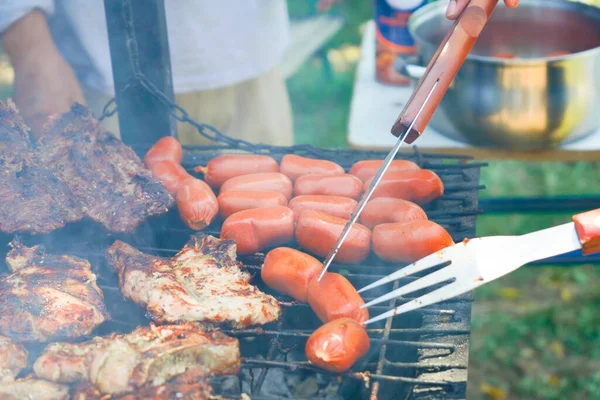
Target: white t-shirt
x,y
213,43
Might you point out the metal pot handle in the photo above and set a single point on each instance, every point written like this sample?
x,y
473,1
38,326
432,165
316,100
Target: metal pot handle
x,y
409,66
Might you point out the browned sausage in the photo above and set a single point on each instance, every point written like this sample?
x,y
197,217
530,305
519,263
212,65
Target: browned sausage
x,y
334,297
337,345
259,228
196,203
366,169
170,174
337,206
262,182
227,166
344,185
410,241
289,272
234,201
165,149
383,210
420,186
294,166
317,232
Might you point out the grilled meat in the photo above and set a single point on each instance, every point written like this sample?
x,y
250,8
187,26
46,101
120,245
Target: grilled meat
x,y
48,296
148,356
31,198
203,282
13,358
105,175
189,386
32,388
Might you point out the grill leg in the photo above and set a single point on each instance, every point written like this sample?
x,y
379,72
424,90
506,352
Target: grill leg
x,y
137,33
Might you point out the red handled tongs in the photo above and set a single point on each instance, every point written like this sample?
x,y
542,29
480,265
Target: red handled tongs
x,y
426,97
475,262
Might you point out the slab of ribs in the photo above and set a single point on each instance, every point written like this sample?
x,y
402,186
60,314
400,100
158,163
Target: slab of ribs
x,y
75,169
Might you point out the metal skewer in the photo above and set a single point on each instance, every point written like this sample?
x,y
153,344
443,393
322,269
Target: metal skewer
x,y
376,179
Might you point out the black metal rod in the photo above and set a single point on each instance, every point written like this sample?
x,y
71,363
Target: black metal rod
x,y
138,40
539,204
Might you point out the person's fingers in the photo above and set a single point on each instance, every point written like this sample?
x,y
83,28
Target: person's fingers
x,y
511,3
455,7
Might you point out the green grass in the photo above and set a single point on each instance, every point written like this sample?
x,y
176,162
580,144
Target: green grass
x,y
536,332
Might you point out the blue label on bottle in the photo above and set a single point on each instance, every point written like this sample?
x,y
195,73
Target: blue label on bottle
x,y
391,20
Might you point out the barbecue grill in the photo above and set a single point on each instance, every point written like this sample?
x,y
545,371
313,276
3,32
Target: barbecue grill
x,y
419,355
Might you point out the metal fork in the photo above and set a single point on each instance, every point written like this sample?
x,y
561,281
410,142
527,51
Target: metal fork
x,y
475,262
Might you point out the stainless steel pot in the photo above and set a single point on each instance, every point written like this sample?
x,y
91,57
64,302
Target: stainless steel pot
x,y
529,102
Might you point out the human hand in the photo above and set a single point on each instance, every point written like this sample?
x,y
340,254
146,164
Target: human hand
x,y
455,7
45,84
325,5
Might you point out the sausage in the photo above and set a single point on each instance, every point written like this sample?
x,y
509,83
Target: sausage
x,y
410,241
263,182
197,204
227,166
234,201
294,166
337,206
317,232
259,228
289,272
384,210
344,185
420,186
170,174
337,345
366,169
334,297
165,149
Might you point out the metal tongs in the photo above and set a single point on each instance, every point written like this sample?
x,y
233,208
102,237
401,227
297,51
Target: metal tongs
x,y
475,262
426,97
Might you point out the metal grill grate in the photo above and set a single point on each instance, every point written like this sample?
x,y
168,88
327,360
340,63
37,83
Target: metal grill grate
x,y
420,355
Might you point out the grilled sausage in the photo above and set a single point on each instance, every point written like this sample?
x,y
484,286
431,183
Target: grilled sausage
x,y
234,201
420,186
410,241
289,272
334,297
337,345
384,210
197,204
170,174
294,166
259,228
337,206
165,149
263,182
317,232
344,185
227,166
366,169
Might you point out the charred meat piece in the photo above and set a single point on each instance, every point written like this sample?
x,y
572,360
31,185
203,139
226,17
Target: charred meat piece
x,y
48,297
148,356
14,139
104,174
33,388
203,282
189,386
13,358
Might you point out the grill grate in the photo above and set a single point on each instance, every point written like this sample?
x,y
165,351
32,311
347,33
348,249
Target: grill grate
x,y
420,355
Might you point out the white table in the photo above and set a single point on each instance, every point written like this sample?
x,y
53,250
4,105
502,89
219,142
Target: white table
x,y
375,107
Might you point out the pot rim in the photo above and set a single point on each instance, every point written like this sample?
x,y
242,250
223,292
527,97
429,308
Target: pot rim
x,y
430,10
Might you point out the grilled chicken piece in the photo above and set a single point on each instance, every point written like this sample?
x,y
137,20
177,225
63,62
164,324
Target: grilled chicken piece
x,y
203,282
105,175
31,198
13,358
48,297
189,386
148,356
31,388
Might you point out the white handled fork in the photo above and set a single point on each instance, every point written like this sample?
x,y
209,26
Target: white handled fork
x,y
475,262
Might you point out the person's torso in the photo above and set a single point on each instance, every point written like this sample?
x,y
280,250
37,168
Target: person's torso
x,y
212,43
